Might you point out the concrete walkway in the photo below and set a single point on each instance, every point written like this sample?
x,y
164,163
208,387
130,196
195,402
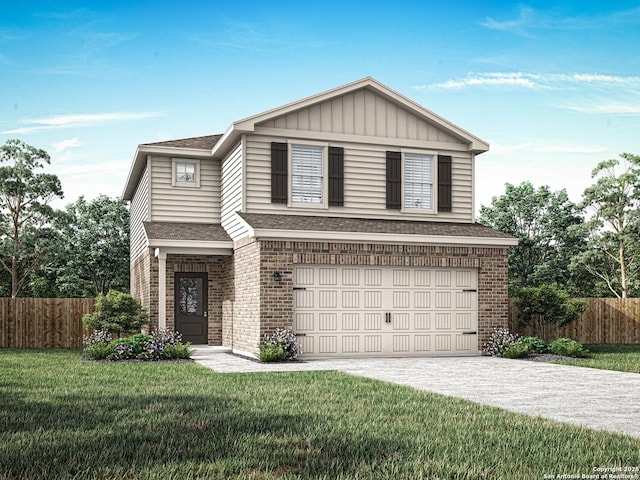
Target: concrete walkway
x,y
599,399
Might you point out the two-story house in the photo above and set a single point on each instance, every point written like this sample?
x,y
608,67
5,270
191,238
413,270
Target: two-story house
x,y
347,216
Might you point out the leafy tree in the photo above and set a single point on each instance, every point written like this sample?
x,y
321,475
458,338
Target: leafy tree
x,y
614,229
547,304
116,312
25,213
546,225
95,247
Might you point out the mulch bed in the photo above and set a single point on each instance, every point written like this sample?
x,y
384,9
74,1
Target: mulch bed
x,y
549,357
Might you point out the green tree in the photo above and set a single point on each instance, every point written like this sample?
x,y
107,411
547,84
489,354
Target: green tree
x,y
95,248
546,225
25,213
614,228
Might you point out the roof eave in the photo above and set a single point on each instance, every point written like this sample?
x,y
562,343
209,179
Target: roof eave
x,y
394,238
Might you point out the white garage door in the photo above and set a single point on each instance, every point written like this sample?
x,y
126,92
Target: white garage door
x,y
351,311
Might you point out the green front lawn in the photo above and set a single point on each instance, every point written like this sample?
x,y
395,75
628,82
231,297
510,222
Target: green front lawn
x,y
61,417
624,358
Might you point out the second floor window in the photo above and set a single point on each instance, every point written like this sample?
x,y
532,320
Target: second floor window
x,y
418,181
307,174
186,173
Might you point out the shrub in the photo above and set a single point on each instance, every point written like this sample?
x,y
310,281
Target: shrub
x,y
161,345
279,346
567,348
533,344
116,312
517,350
499,342
271,353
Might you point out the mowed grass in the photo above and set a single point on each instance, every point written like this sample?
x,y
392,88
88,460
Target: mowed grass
x,y
61,417
623,358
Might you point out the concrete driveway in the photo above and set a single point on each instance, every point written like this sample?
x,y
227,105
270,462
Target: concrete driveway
x,y
598,399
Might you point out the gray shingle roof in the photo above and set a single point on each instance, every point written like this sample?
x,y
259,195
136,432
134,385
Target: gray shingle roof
x,y
185,231
203,143
359,225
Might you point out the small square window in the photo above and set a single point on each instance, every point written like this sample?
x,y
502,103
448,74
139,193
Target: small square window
x,y
185,173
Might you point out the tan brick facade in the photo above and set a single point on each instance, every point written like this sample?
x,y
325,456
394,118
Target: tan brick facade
x,y
246,302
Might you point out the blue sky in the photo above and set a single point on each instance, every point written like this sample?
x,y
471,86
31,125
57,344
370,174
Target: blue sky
x,y
553,86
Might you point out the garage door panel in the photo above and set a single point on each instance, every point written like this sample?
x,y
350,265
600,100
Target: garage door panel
x,y
465,343
422,321
303,299
401,299
401,278
373,299
373,321
304,322
328,276
373,277
351,321
422,278
442,343
373,343
400,321
422,343
328,299
328,321
350,311
464,321
350,344
350,276
401,343
327,344
422,299
350,299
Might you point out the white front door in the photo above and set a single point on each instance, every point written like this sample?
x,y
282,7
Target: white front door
x,y
365,311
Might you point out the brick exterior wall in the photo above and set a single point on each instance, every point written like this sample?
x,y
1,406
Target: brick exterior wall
x,y
245,309
212,265
260,311
246,303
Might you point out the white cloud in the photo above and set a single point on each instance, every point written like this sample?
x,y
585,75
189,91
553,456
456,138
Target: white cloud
x,y
78,120
66,144
545,146
607,108
534,80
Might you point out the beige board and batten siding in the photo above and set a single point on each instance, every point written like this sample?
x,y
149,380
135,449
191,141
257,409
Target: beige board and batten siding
x,y
185,204
139,213
232,175
364,183
363,113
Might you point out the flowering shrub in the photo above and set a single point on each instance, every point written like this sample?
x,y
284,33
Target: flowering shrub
x,y
499,342
161,345
279,346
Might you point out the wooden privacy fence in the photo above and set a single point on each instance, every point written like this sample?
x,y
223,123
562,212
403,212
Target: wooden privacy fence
x,y
606,320
43,322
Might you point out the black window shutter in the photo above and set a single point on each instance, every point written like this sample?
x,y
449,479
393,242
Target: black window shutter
x,y
444,183
336,176
394,180
279,172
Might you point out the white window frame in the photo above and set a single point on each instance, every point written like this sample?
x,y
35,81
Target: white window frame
x,y
434,182
174,177
325,172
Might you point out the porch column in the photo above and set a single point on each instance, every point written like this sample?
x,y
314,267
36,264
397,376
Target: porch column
x,y
162,288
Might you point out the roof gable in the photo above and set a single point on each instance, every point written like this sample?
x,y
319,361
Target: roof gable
x,y
364,112
410,119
